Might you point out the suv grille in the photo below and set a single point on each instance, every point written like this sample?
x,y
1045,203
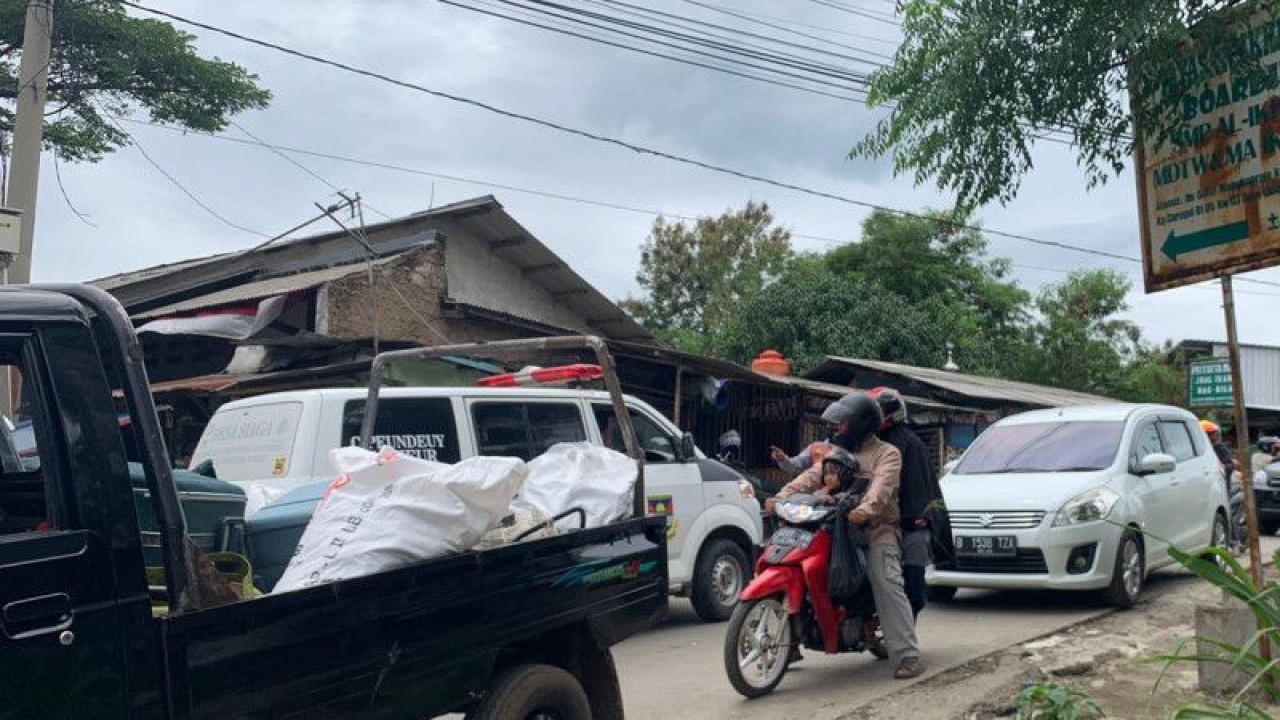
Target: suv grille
x,y
1029,561
997,519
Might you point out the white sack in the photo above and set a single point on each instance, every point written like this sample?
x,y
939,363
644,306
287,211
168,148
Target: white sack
x,y
389,510
598,480
258,496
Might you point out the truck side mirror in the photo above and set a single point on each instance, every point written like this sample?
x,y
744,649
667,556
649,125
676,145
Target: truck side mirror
x,y
688,448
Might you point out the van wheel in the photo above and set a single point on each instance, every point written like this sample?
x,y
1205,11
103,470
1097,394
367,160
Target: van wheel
x,y
1129,573
534,692
718,579
942,593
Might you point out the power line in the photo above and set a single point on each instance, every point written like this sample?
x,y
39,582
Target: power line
x,y
764,20
652,53
870,15
641,11
569,198
301,167
285,149
203,206
858,79
634,147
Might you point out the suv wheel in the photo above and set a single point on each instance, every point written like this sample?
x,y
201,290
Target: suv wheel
x,y
1128,574
718,579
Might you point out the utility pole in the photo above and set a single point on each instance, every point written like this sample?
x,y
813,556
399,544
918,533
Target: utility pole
x,y
28,130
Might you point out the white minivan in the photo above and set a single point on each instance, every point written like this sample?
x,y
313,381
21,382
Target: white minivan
x,y
282,440
1081,498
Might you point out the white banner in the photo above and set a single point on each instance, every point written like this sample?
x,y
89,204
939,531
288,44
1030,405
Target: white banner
x,y
232,323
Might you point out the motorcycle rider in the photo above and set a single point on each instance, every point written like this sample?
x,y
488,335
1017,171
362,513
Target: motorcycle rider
x,y
854,420
1220,449
925,526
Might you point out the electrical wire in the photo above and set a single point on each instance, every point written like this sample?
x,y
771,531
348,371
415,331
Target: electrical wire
x,y
852,97
488,184
300,166
635,147
868,14
174,181
859,80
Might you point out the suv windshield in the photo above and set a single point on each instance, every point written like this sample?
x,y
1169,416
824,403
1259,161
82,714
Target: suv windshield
x,y
1043,447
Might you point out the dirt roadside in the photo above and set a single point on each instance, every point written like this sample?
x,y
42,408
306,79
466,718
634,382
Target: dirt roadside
x,y
1107,658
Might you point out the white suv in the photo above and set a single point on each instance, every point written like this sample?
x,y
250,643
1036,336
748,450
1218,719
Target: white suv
x,y
283,441
1081,498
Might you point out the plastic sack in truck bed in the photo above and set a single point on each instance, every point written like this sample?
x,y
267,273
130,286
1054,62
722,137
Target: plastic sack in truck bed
x,y
389,510
598,480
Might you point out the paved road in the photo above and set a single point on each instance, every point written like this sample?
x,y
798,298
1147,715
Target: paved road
x,y
676,670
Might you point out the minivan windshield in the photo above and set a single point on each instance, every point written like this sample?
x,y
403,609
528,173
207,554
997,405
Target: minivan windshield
x,y
1043,447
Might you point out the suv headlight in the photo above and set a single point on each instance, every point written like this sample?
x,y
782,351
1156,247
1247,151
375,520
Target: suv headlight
x,y
1086,507
746,489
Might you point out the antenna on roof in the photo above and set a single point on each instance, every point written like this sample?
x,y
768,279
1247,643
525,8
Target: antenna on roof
x,y
951,365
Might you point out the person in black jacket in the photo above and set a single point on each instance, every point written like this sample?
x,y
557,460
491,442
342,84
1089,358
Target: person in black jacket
x,y
926,530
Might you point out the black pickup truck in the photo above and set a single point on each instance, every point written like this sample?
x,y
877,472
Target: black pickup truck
x,y
520,631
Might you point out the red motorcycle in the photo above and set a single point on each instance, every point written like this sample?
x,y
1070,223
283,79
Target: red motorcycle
x,y
787,605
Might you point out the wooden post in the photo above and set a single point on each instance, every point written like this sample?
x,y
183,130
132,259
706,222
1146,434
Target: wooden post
x,y
675,412
1242,451
1242,431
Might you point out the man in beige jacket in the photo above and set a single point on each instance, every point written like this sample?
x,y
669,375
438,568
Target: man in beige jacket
x,y
854,419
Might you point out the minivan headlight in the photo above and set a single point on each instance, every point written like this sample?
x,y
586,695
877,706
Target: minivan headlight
x,y
1086,507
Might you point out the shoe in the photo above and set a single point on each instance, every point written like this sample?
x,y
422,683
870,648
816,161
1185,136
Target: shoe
x,y
909,668
878,650
794,656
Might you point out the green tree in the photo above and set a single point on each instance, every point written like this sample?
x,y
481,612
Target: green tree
x,y
811,312
105,62
935,264
1157,375
975,83
694,275
1079,341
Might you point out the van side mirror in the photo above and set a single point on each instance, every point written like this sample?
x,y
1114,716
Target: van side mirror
x,y
688,448
1155,464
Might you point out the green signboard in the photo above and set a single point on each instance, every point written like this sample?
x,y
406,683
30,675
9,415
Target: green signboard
x,y
1209,383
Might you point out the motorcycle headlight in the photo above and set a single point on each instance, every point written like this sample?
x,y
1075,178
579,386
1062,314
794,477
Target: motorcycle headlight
x,y
792,512
1086,507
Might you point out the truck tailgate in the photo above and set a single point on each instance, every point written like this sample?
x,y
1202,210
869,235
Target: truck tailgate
x,y
417,641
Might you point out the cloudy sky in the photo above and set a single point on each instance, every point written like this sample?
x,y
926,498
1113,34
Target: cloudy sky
x,y
140,218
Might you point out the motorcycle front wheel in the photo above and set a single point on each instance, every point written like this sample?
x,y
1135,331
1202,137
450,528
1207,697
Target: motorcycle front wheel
x,y
757,646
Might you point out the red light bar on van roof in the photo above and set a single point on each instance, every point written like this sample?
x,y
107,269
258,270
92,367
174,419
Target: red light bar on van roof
x,y
544,376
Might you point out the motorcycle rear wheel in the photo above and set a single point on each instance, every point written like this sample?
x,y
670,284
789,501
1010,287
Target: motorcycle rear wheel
x,y
757,646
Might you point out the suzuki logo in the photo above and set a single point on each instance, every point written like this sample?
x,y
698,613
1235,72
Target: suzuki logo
x,y
986,519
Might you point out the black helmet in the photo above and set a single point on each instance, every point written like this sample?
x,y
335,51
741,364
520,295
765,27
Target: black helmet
x,y
846,463
891,406
861,412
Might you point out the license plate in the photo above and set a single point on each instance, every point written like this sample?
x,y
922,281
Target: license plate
x,y
987,545
792,538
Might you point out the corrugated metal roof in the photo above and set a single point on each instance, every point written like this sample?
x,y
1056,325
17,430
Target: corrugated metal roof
x,y
833,390
969,386
265,288
483,217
